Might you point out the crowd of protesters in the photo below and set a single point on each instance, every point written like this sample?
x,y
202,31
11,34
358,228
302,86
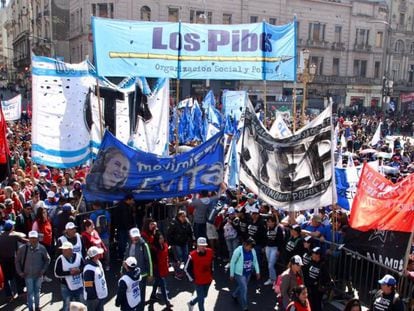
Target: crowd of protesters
x,y
46,225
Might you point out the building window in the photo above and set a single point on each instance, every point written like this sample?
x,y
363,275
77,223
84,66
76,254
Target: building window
x,y
272,20
103,10
200,17
254,19
338,34
402,19
379,39
412,48
377,67
411,74
396,71
226,19
316,32
335,67
145,13
362,37
360,68
399,46
318,61
173,14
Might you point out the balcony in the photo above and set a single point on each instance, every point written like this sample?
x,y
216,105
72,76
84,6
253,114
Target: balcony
x,y
317,44
338,46
362,47
322,79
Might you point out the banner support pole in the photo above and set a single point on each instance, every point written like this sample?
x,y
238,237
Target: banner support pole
x,y
98,94
408,251
177,100
294,107
265,104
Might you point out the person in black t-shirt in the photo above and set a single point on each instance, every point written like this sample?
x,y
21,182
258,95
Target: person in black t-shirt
x,y
387,299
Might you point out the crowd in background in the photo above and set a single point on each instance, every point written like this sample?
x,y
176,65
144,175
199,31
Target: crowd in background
x,y
75,243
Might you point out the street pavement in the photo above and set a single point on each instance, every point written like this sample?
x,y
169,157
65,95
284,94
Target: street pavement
x,y
219,296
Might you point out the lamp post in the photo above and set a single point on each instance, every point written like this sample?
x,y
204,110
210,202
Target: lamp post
x,y
306,76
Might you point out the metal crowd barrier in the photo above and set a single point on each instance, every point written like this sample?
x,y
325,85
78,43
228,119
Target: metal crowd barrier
x,y
355,275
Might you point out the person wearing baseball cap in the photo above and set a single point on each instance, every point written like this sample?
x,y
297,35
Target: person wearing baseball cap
x,y
68,268
9,242
307,250
291,278
317,279
128,295
294,245
243,264
32,261
70,235
199,270
139,249
94,293
252,203
387,298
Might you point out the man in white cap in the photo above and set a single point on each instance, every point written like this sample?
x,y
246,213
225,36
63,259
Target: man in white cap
x,y
129,295
252,203
95,289
32,261
199,269
73,237
139,249
387,297
51,204
68,268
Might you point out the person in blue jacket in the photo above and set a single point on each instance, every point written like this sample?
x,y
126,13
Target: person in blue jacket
x,y
242,264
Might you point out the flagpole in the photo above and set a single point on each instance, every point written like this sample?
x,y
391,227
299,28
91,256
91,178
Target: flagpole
x,y
294,107
98,94
177,93
334,198
177,100
265,103
408,251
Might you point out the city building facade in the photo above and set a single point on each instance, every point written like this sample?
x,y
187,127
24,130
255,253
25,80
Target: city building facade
x,y
39,27
347,39
400,53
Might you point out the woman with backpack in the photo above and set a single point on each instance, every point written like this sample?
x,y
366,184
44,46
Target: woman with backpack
x,y
291,278
299,299
242,263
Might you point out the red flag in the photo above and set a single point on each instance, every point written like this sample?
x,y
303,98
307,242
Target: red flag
x,y
381,205
4,145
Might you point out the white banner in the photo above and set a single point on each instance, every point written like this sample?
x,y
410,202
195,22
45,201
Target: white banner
x,y
294,172
153,135
122,120
12,108
60,136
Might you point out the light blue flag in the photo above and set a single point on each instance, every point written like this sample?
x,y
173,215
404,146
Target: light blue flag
x,y
197,123
234,164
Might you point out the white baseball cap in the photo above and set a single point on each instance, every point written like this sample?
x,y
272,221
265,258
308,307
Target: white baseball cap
x,y
202,241
131,262
50,194
94,251
70,225
134,233
66,245
33,234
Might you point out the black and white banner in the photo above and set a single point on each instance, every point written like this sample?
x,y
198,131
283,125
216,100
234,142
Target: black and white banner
x,y
294,172
386,247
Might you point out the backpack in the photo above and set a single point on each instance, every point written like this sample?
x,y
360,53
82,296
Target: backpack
x,y
229,231
276,284
102,223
